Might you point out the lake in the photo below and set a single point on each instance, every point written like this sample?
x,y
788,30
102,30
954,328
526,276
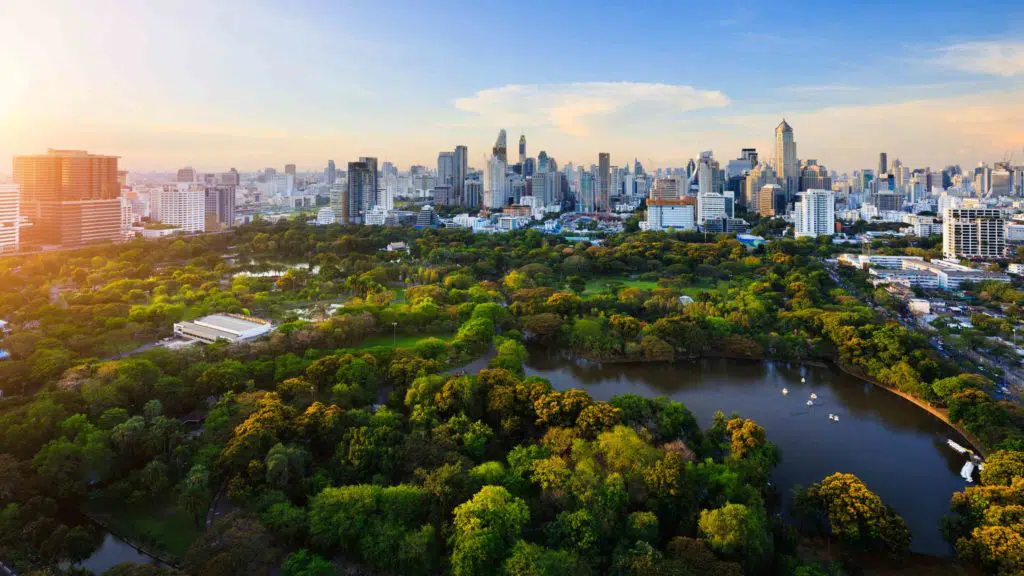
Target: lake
x,y
897,449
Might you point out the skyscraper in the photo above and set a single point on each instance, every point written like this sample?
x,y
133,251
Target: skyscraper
x,y
361,186
501,147
604,184
332,173
220,207
369,199
289,169
186,174
814,176
760,176
446,169
496,184
70,197
883,163
10,217
459,174
749,154
785,159
522,148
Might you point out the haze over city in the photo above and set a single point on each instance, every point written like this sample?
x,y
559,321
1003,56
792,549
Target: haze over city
x,y
253,84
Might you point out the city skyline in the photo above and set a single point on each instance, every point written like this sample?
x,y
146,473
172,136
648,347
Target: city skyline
x,y
253,85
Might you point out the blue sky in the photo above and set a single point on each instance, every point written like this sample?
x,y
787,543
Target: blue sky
x,y
249,84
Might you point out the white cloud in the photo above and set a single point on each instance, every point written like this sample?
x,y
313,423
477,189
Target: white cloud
x,y
569,107
992,57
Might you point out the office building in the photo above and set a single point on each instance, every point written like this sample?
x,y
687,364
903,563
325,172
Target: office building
x,y
883,163
999,183
760,176
68,197
220,207
186,174
500,149
815,214
427,217
10,218
331,174
522,149
496,189
339,201
771,200
675,214
289,169
229,178
726,225
181,205
604,182
665,189
460,170
814,176
750,155
887,201
786,167
445,169
710,206
472,193
973,233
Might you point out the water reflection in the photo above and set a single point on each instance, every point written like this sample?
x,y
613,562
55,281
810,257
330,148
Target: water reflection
x,y
112,552
898,449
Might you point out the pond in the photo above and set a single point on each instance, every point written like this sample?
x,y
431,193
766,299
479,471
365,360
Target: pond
x,y
897,449
112,552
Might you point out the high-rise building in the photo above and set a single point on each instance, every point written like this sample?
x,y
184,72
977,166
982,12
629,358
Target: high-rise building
x,y
749,154
815,214
289,169
446,169
710,206
229,178
182,205
186,174
459,173
500,149
10,218
761,175
999,183
786,166
973,233
496,189
360,193
522,148
814,176
771,200
883,163
370,197
339,201
604,182
220,207
665,189
69,197
473,193
331,174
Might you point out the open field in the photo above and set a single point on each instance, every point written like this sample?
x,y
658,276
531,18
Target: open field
x,y
402,341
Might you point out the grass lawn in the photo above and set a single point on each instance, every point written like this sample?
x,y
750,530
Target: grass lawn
x,y
163,526
596,285
402,341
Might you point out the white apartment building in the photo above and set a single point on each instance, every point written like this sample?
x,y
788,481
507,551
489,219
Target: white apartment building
x,y
815,214
10,217
181,205
376,216
670,214
496,184
974,233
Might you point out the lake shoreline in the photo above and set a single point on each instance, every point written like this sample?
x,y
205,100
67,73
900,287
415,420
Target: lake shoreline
x,y
940,413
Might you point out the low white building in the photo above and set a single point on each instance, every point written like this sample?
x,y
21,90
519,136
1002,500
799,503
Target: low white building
x,y
1015,268
325,216
229,327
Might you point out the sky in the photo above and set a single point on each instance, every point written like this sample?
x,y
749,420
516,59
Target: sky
x,y
250,84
